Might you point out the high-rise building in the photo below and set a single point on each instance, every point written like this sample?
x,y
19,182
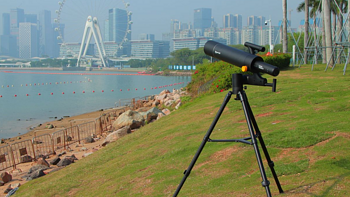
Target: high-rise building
x,y
28,40
46,46
202,20
237,21
16,17
31,18
228,21
5,24
150,37
118,24
260,21
252,21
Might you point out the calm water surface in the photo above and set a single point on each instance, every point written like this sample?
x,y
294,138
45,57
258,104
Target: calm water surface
x,y
22,107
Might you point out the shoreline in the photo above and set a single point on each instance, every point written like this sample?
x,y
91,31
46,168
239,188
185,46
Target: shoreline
x,y
58,124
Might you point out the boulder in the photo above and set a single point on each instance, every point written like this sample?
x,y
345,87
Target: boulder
x,y
55,161
37,174
64,162
36,168
5,177
89,140
2,183
116,135
164,92
178,105
26,158
166,111
42,161
129,118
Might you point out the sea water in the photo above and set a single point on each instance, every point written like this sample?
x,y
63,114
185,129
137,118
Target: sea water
x,y
29,98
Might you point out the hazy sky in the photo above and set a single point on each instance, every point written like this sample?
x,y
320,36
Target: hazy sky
x,y
154,16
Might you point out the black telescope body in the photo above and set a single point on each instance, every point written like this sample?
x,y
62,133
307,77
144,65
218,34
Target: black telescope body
x,y
239,58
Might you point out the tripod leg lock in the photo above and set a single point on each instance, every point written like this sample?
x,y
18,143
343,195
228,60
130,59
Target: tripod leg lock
x,y
265,183
271,164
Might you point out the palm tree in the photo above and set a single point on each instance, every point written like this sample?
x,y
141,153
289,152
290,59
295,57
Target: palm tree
x,y
315,6
285,41
327,26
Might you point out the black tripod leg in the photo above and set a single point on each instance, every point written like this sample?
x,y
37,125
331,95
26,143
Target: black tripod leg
x,y
248,115
267,156
205,140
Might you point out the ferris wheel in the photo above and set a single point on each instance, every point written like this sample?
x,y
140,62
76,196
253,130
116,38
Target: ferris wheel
x,y
110,27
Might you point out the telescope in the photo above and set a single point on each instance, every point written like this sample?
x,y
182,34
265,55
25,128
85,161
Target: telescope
x,y
254,64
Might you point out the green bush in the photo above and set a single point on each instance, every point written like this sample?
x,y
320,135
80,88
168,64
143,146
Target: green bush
x,y
281,60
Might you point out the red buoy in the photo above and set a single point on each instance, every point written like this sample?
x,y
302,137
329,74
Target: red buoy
x,y
83,91
121,90
73,92
103,91
112,90
62,92
51,93
93,91
39,94
15,95
0,96
27,94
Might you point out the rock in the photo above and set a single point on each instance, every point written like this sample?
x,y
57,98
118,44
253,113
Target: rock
x,y
69,139
2,141
2,183
55,161
160,115
129,118
83,149
37,174
18,138
11,192
42,161
36,168
87,154
5,177
63,153
64,162
164,92
166,111
26,158
89,140
15,185
49,126
116,135
178,105
72,157
169,103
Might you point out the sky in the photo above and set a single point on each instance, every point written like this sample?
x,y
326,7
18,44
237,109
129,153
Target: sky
x,y
154,16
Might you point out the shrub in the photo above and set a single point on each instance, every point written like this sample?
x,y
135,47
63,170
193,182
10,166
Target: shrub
x,y
280,60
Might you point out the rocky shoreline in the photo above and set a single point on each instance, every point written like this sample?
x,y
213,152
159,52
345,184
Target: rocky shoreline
x,y
126,123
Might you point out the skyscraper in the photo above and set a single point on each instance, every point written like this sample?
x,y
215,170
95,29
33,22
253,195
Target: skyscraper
x,y
237,21
31,18
46,46
6,24
118,24
16,17
202,19
228,21
28,40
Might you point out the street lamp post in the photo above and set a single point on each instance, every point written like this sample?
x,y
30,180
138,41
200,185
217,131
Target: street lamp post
x,y
270,36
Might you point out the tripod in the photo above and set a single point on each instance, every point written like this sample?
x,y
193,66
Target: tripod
x,y
255,135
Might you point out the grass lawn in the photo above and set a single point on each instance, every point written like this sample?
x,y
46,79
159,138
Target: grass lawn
x,y
305,125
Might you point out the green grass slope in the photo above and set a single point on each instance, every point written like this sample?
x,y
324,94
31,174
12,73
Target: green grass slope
x,y
305,125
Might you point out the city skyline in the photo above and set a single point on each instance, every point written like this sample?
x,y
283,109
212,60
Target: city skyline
x,y
154,17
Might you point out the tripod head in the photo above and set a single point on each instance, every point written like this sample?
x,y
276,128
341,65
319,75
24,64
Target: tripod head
x,y
247,61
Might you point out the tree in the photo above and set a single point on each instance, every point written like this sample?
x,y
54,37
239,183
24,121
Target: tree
x,y
285,42
328,32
